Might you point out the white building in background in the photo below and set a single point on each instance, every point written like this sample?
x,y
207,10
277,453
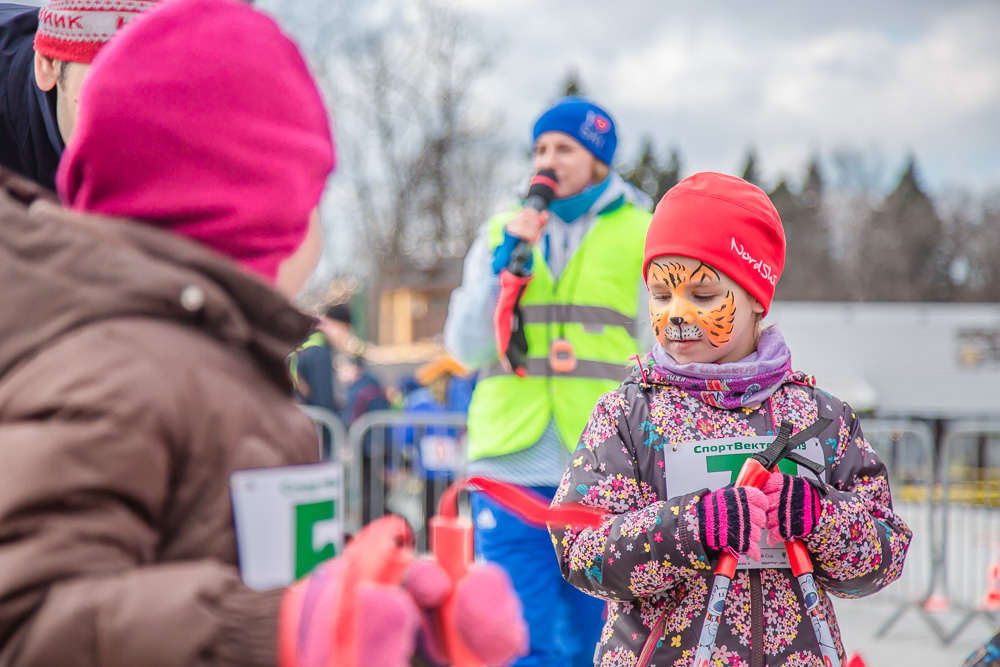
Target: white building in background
x,y
899,360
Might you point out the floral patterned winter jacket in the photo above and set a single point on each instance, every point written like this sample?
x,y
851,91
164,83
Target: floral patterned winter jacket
x,y
647,558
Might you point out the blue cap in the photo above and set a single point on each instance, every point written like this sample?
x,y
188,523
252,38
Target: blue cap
x,y
584,121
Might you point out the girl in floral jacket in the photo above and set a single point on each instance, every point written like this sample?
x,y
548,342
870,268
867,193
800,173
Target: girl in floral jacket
x,y
660,454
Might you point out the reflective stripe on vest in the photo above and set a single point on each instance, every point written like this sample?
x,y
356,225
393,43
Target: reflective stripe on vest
x,y
574,314
597,370
594,307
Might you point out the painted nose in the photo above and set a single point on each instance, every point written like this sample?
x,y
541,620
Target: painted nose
x,y
677,321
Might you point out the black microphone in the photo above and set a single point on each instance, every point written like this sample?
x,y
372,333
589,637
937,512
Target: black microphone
x,y
541,191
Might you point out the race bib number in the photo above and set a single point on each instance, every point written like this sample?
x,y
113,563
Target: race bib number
x,y
693,466
440,453
288,520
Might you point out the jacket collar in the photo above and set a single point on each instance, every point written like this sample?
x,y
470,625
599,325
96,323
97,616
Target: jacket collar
x,y
62,270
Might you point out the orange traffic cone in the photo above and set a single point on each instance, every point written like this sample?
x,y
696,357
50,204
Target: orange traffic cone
x,y
991,601
937,603
855,660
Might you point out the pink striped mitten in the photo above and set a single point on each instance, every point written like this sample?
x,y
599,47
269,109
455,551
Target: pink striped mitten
x,y
730,519
793,507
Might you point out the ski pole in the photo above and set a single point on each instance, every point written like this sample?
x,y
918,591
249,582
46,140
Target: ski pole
x,y
802,568
755,472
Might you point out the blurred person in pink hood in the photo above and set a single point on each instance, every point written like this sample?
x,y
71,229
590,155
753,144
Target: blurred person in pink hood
x,y
142,360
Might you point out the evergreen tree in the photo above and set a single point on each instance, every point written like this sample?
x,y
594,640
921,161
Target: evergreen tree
x,y
750,173
901,254
670,176
811,273
572,87
647,174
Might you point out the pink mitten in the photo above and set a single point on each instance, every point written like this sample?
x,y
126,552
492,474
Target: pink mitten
x,y
387,633
793,507
731,518
489,617
428,585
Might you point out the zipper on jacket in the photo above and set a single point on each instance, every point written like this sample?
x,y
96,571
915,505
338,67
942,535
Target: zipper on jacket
x,y
756,620
657,634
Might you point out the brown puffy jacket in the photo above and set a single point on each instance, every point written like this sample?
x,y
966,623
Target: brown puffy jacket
x,y
137,370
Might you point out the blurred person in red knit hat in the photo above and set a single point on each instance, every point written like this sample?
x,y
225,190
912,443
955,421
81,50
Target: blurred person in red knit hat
x,y
46,54
142,360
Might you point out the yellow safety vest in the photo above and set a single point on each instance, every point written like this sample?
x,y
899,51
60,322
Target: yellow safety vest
x,y
593,306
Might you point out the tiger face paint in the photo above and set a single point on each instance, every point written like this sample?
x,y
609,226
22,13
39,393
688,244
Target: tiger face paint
x,y
699,314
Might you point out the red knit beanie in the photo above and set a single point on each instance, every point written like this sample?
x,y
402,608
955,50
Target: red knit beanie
x,y
202,118
74,30
723,221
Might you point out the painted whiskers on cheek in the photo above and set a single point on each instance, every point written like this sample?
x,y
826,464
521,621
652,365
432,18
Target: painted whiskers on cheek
x,y
683,320
718,322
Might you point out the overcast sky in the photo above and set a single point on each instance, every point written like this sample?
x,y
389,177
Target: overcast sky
x,y
789,78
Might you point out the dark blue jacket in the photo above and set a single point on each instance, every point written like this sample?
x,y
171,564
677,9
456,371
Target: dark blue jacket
x,y
30,142
364,395
315,368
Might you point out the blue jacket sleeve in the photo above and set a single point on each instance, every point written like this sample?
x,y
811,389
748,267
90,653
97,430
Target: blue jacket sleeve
x,y
503,252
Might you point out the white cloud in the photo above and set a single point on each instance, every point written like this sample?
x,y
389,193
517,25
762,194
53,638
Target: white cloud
x,y
792,79
896,77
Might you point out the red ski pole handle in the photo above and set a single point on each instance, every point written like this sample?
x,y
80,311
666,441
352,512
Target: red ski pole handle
x,y
451,543
754,474
798,558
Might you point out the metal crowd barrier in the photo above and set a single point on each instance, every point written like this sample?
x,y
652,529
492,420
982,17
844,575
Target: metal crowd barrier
x,y
953,507
907,449
407,461
970,538
401,463
330,434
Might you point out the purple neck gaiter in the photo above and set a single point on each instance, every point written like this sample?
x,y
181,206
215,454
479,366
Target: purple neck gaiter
x,y
739,384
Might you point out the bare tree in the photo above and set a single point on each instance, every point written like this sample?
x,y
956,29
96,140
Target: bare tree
x,y
416,156
422,162
856,192
973,234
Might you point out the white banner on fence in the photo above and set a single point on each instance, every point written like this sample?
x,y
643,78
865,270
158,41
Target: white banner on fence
x,y
288,520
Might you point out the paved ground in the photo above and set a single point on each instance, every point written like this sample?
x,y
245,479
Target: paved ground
x,y
910,642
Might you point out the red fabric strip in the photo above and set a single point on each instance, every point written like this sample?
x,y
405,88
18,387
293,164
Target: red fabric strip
x,y
534,508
